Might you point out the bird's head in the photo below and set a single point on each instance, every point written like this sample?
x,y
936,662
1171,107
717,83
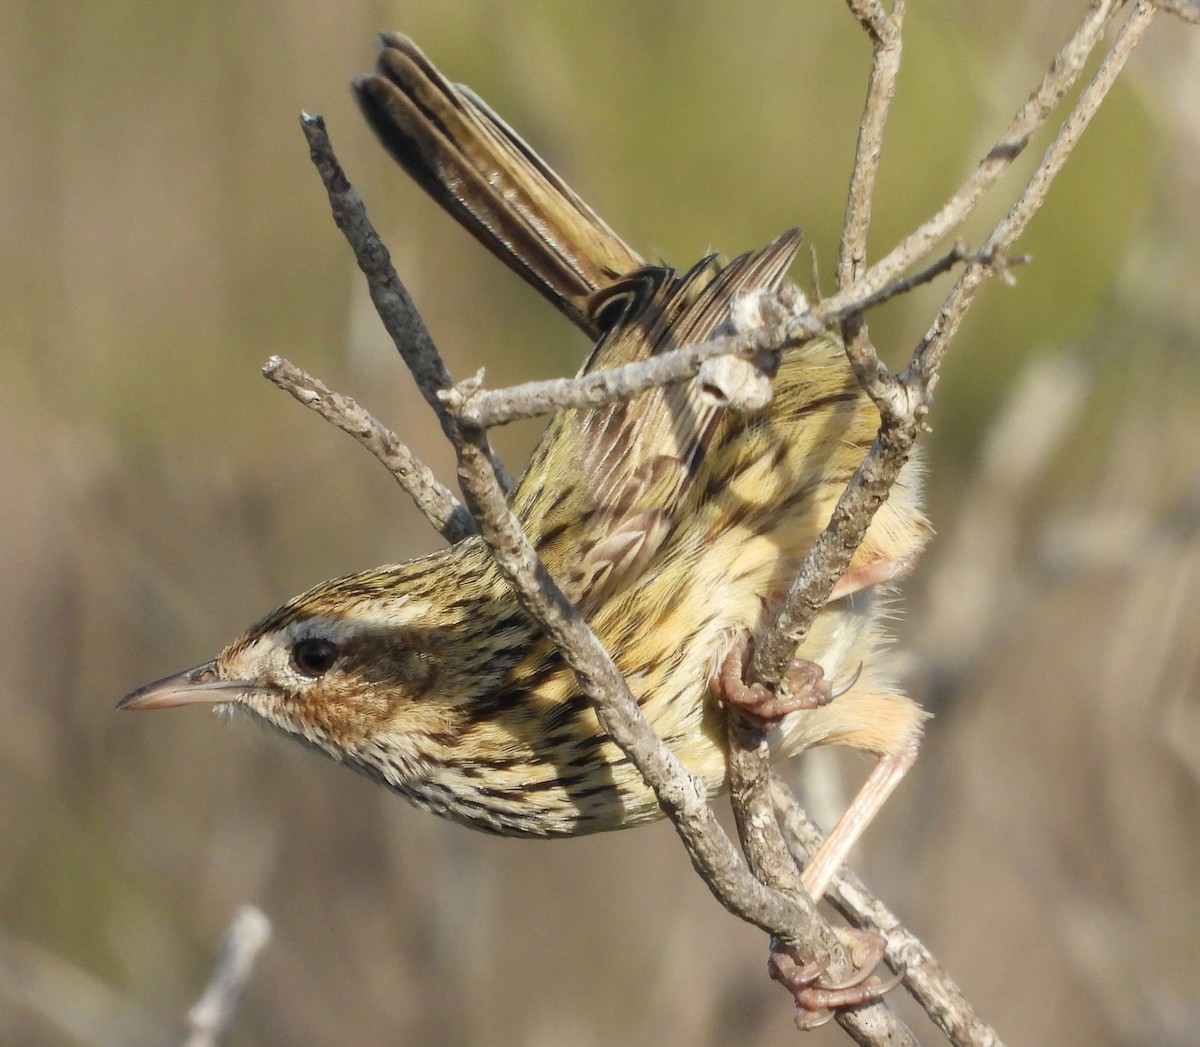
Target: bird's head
x,y
344,667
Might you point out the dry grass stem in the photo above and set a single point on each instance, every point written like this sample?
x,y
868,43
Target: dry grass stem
x,y
209,1019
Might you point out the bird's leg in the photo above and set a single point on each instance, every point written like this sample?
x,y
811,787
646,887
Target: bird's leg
x,y
880,784
815,1000
805,687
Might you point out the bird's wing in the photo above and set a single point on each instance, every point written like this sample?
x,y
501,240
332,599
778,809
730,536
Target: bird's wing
x,y
606,486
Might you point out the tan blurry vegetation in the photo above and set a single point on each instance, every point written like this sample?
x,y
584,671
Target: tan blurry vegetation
x,y
165,234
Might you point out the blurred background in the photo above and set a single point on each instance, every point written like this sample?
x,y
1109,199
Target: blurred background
x,y
163,233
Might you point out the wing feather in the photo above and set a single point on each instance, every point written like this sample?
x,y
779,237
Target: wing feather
x,y
633,463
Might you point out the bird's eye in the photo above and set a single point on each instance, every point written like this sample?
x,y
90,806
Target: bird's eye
x,y
315,656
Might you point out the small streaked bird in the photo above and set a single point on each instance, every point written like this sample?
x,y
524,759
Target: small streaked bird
x,y
675,524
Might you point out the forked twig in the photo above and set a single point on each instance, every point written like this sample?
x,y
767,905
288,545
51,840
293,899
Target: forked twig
x,y
436,501
903,399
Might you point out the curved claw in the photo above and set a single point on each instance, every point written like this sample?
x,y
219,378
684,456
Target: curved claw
x,y
848,684
816,1002
804,687
807,1020
783,968
866,989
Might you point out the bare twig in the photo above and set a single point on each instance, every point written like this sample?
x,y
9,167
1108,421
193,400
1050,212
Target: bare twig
x,y
392,301
1188,10
758,830
210,1017
884,30
449,516
831,552
921,373
903,400
489,408
749,760
682,798
774,864
1065,68
492,407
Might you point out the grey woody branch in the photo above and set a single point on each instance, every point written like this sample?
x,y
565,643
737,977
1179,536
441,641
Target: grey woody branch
x,y
1064,70
903,400
682,799
392,301
489,408
1188,10
884,31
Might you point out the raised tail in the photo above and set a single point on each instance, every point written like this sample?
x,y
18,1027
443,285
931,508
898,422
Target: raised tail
x,y
474,165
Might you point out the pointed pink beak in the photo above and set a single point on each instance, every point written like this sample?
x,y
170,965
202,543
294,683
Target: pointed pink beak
x,y
191,687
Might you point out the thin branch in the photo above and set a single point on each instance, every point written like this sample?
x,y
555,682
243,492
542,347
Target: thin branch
x,y
873,17
1065,68
681,796
210,1018
774,864
956,255
833,549
885,35
392,301
1188,10
758,830
489,408
922,372
940,996
448,516
903,401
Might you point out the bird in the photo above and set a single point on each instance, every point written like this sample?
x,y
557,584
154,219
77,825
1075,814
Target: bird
x,y
673,521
